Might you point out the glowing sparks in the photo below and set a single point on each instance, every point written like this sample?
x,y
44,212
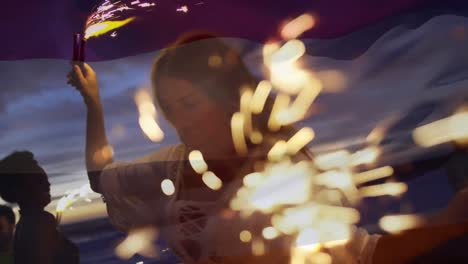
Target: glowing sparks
x,y
393,188
260,96
237,131
245,100
297,26
270,232
212,181
398,223
300,140
151,128
197,162
148,116
253,179
245,236
373,175
335,179
365,156
308,237
294,180
146,4
281,102
183,9
289,52
167,187
449,129
268,50
334,160
305,98
139,241
105,27
278,151
66,201
256,137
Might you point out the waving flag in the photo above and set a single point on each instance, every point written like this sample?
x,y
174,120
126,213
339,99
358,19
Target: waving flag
x,y
400,58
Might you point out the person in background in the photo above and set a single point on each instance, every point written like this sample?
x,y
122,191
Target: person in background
x,y
7,227
37,239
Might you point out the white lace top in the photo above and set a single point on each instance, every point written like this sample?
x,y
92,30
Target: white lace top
x,y
195,230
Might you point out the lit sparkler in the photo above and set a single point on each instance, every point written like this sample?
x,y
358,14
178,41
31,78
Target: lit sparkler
x,y
308,193
66,201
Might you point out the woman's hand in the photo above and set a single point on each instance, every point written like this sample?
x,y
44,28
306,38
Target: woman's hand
x,y
84,79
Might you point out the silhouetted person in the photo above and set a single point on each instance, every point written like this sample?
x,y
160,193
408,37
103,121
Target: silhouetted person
x,y
37,239
7,227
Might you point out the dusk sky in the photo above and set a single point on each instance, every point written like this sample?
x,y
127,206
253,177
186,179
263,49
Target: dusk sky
x,y
393,60
41,113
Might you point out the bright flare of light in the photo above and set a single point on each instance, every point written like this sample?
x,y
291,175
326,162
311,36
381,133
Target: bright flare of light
x,y
237,132
398,223
281,102
268,50
72,196
212,181
308,237
256,137
197,162
300,140
269,232
260,96
297,26
365,156
138,241
335,160
101,28
253,179
372,175
283,183
278,151
288,78
167,187
393,188
148,116
305,99
289,52
245,101
449,129
151,128
245,236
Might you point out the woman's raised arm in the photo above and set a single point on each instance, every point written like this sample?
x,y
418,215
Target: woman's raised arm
x,y
98,154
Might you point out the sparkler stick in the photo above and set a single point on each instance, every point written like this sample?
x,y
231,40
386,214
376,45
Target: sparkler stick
x,y
79,47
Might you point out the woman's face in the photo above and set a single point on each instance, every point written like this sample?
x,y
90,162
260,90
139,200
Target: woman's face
x,y
201,122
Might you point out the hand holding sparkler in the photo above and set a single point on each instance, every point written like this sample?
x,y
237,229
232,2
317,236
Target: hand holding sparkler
x,y
84,79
